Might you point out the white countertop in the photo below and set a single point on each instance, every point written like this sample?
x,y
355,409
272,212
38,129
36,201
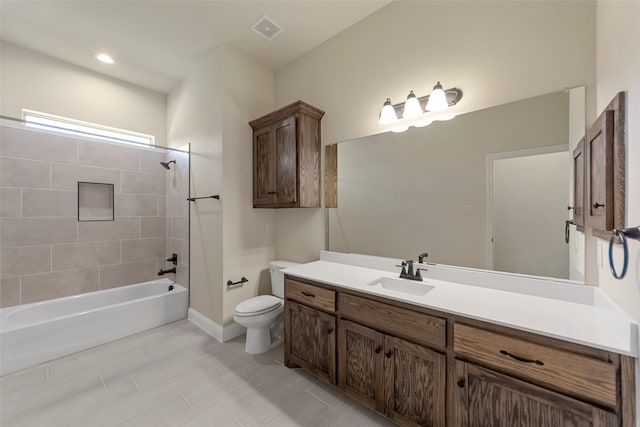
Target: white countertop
x,y
592,321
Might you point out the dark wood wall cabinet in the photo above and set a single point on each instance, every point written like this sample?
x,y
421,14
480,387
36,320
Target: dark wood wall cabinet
x,y
599,172
286,157
421,367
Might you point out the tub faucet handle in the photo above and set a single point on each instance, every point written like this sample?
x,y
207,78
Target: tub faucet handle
x,y
173,259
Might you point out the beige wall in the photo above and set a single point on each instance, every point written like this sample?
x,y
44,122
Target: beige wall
x,y
618,69
229,239
38,82
248,234
194,115
496,52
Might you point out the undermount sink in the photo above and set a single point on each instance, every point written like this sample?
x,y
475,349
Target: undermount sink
x,y
402,285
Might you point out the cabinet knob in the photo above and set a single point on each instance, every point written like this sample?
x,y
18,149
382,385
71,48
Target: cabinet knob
x,y
378,350
388,354
597,205
460,383
329,331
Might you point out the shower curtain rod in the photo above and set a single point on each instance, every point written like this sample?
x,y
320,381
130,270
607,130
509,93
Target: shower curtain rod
x,y
114,139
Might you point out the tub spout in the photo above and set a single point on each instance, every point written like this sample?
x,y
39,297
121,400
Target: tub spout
x,y
163,272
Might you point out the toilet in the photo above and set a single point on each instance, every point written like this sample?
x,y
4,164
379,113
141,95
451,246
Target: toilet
x,y
263,316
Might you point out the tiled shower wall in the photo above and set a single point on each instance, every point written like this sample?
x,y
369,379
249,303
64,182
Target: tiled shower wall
x,y
46,252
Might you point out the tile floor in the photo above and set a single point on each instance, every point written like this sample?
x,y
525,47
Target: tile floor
x,y
175,375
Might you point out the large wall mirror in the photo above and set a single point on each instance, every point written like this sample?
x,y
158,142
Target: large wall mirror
x,y
489,189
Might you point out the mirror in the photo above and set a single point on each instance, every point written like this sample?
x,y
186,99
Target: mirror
x,y
489,189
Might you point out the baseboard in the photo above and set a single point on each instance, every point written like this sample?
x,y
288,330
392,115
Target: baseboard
x,y
220,333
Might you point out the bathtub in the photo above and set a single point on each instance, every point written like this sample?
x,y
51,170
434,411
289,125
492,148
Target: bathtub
x,y
31,334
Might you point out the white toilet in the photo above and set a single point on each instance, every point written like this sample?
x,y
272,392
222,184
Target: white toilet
x,y
263,316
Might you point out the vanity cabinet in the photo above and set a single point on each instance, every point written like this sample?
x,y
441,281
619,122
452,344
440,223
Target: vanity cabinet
x,y
423,367
574,374
487,398
286,157
402,380
310,329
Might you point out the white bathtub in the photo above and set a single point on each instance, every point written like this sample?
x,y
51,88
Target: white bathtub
x,y
31,334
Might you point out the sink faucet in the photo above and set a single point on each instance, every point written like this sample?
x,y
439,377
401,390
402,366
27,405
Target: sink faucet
x,y
407,271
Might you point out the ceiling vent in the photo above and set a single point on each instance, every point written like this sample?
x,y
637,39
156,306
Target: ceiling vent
x,y
267,28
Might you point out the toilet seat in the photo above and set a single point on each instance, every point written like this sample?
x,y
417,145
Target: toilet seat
x,y
258,305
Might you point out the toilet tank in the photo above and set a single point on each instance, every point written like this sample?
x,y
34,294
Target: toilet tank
x,y
277,276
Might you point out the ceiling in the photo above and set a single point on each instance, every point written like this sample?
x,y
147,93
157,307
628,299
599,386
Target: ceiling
x,y
156,43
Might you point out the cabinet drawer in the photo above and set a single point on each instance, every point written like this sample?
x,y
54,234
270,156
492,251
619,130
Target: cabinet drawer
x,y
558,369
310,295
419,327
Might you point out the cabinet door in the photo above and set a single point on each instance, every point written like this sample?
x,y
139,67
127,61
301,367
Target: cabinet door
x,y
414,383
311,341
264,167
599,173
287,164
486,398
360,364
578,184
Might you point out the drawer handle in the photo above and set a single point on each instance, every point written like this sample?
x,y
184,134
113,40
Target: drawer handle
x,y
272,192
521,359
378,350
307,294
388,354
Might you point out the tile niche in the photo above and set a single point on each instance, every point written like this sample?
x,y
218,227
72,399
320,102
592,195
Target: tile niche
x,y
95,201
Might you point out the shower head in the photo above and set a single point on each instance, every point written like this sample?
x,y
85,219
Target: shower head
x,y
166,164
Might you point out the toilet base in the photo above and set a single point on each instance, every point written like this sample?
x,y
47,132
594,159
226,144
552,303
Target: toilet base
x,y
263,338
259,341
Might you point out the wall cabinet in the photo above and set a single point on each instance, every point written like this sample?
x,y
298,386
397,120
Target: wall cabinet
x,y
379,370
599,172
286,157
421,367
578,184
599,158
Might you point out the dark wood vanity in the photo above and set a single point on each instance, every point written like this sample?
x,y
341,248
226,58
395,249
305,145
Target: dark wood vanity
x,y
422,367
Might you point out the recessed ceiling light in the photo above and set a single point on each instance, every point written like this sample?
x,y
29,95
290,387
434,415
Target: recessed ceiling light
x,y
103,57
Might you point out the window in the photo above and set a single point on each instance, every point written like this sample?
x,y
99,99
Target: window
x,y
92,130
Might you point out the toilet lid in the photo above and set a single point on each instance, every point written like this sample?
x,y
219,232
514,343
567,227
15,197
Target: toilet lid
x,y
258,305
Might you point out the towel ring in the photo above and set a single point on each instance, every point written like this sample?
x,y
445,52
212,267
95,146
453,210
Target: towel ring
x,y
625,252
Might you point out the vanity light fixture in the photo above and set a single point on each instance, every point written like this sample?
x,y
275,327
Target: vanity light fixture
x,y
436,102
388,113
412,107
437,99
